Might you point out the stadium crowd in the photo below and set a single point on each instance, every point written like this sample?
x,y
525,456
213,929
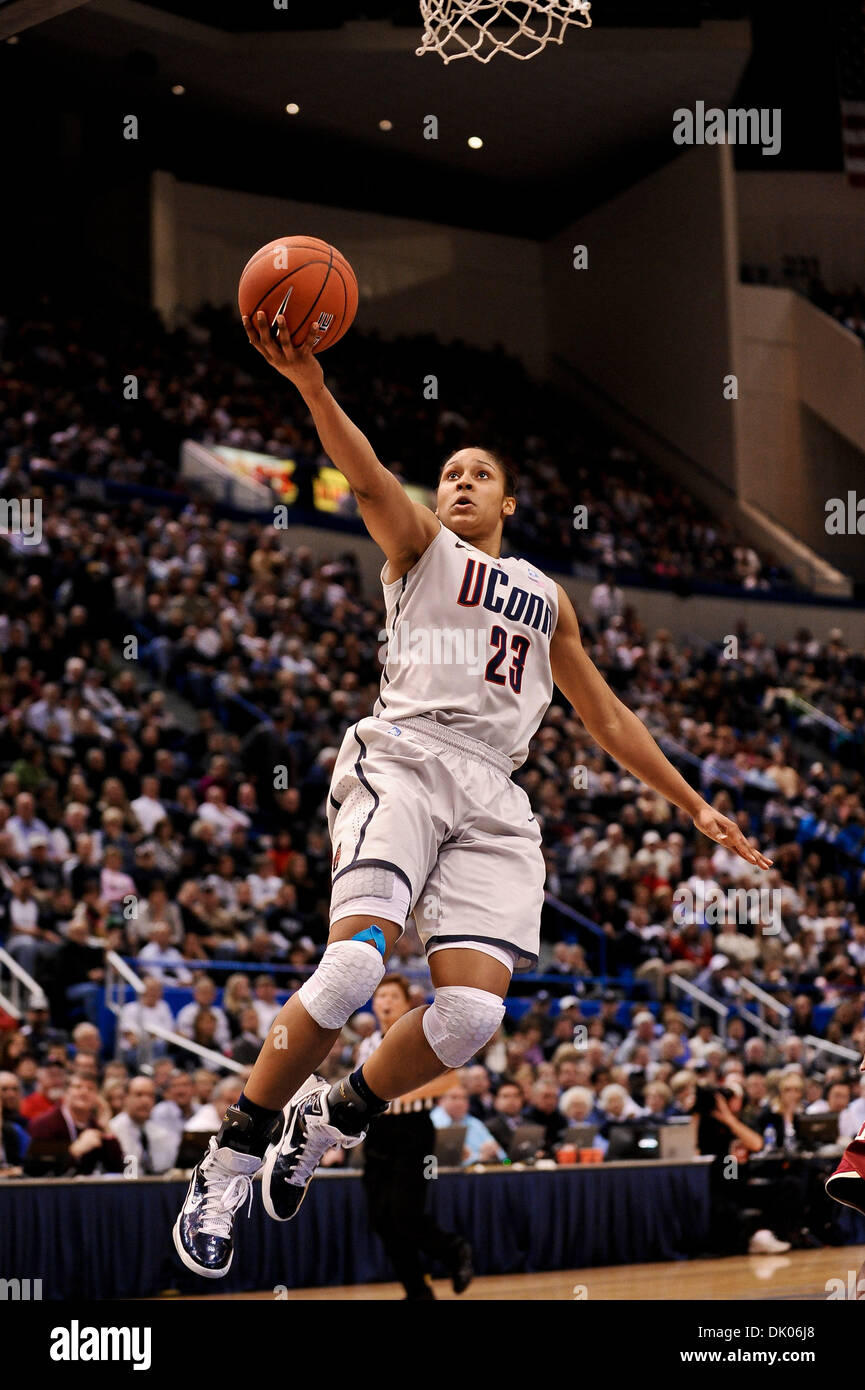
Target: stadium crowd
x,y
65,409
190,836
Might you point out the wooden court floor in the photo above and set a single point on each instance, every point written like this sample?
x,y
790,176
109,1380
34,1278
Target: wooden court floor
x,y
800,1276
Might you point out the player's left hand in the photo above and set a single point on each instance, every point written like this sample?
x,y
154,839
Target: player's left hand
x,y
727,833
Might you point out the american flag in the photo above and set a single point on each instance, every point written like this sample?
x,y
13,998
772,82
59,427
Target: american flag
x,y
850,52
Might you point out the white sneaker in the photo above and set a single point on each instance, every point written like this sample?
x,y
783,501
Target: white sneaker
x,y
766,1243
203,1232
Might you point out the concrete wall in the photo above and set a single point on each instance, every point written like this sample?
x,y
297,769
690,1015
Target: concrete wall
x,y
801,417
803,214
648,321
413,277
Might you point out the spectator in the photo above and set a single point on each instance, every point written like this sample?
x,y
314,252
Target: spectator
x,y
78,971
544,1110
25,942
778,1123
161,960
210,1115
508,1105
51,1084
151,1146
236,995
453,1109
476,1080
14,1142
179,1106
577,1104
74,1138
38,1030
204,998
265,1003
137,1017
247,1044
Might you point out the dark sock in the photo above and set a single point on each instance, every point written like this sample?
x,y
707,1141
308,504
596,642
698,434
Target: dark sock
x,y
255,1136
367,1094
352,1104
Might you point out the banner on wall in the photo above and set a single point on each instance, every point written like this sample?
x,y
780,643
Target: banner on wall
x,y
331,492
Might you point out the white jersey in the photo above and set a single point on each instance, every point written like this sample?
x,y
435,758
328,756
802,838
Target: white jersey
x,y
468,644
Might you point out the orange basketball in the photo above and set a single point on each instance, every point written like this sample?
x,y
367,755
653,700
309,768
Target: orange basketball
x,y
308,281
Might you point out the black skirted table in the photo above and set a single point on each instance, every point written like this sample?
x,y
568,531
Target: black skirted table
x,y
108,1238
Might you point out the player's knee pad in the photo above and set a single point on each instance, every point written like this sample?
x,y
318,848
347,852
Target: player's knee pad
x,y
347,975
370,890
460,1021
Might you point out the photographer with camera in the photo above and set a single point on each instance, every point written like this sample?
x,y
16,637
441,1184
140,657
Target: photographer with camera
x,y
721,1133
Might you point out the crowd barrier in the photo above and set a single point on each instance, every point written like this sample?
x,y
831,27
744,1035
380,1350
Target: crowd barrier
x,y
110,1238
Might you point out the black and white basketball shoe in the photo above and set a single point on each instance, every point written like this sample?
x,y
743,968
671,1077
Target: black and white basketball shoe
x,y
317,1118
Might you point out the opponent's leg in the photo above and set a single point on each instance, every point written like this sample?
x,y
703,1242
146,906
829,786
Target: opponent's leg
x,y
300,1038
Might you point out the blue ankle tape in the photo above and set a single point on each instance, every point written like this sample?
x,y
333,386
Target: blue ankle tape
x,y
375,936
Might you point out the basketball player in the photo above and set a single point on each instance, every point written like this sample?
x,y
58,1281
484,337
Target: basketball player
x,y
847,1186
423,815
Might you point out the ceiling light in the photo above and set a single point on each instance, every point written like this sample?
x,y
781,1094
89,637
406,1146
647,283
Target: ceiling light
x,y
385,125
292,108
475,142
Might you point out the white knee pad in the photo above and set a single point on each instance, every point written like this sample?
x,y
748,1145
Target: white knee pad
x,y
460,1021
347,975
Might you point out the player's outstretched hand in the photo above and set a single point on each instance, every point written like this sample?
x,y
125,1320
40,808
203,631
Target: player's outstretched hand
x,y
727,833
299,364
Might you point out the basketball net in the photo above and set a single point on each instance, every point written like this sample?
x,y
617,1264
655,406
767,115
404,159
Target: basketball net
x,y
481,28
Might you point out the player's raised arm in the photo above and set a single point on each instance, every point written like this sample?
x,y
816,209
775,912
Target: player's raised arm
x,y
401,527
618,730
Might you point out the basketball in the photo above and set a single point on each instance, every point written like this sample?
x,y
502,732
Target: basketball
x,y
308,281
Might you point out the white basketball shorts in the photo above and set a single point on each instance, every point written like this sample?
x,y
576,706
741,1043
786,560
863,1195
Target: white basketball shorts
x,y
441,811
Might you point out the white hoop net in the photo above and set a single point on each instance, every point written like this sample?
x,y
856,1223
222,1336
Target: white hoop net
x,y
481,28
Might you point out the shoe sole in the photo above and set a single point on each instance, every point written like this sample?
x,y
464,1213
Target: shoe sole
x,y
272,1155
190,1263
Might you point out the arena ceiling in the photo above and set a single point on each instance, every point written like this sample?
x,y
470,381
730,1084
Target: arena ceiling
x,y
561,132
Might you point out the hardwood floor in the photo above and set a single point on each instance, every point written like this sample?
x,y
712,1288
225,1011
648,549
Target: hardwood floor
x,y
802,1275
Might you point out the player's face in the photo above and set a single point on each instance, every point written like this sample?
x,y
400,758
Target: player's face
x,y
471,494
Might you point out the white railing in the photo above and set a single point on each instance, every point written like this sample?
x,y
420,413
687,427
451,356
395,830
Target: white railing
x,y
776,1034
119,976
678,982
821,1045
766,1001
8,1007
18,988
214,1058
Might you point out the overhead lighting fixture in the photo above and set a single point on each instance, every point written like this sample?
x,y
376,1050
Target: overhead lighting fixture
x,y
385,125
292,108
178,90
475,142
12,39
